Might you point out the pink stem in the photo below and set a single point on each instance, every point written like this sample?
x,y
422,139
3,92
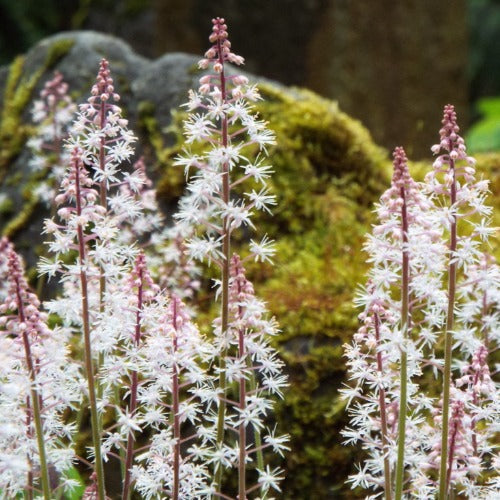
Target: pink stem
x,y
89,368
242,405
175,410
133,392
383,416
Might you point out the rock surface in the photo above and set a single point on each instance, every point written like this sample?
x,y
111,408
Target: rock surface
x,y
162,84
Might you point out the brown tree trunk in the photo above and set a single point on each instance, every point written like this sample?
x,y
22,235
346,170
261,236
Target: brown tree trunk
x,y
393,65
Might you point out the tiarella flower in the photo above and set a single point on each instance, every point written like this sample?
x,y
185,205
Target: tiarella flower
x,y
121,368
264,250
176,271
52,114
464,462
216,206
459,198
39,384
254,374
453,175
92,214
136,204
109,206
225,121
448,285
172,399
101,132
407,257
127,328
479,312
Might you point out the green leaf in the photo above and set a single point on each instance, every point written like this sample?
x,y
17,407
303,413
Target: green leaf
x,y
75,493
485,134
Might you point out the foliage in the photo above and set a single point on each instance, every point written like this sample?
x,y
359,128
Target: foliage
x,y
484,135
28,22
483,63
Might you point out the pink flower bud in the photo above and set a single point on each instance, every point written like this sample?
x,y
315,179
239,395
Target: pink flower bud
x,y
240,80
64,213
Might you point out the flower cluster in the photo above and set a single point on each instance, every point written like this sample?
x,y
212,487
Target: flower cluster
x,y
38,384
231,144
146,363
187,413
52,114
171,362
143,217
101,131
429,274
406,256
221,118
98,206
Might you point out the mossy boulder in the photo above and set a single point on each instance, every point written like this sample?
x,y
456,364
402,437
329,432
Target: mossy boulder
x,y
76,55
328,174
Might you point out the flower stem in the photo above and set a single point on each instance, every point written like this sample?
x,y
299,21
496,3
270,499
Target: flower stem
x,y
383,418
453,437
258,438
226,248
175,412
103,199
242,426
89,369
452,276
35,398
405,292
126,493
29,480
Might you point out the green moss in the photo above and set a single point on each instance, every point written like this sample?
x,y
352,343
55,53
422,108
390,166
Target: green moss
x,y
149,124
323,158
6,205
21,220
16,96
193,70
311,293
488,166
171,182
14,133
124,88
57,51
13,179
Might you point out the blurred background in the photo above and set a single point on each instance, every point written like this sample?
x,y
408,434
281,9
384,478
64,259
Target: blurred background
x,y
393,65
